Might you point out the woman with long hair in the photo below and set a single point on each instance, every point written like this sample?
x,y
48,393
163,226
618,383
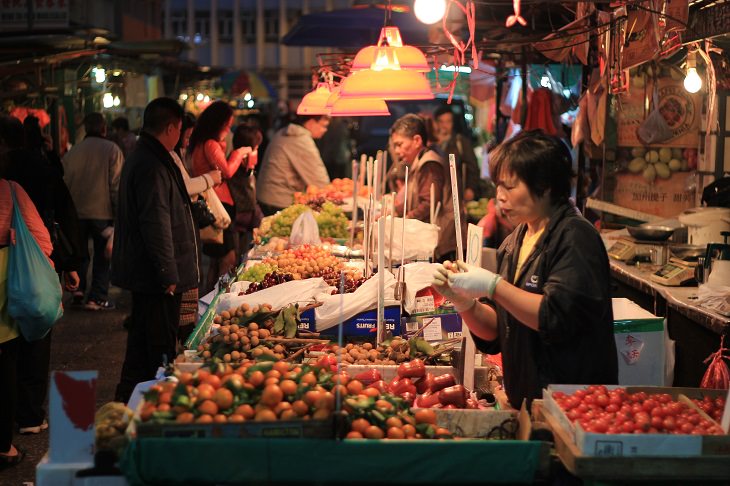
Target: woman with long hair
x,y
208,149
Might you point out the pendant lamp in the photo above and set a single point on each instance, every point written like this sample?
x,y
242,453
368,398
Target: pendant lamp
x,y
386,84
359,107
315,102
408,57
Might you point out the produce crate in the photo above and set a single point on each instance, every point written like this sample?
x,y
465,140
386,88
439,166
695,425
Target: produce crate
x,y
483,423
313,429
632,445
388,372
362,324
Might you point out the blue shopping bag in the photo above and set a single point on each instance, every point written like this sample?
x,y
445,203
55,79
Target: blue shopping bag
x,y
34,291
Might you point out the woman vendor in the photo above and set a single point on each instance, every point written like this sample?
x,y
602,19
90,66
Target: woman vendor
x,y
550,309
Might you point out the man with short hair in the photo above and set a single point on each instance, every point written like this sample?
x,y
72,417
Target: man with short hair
x,y
451,141
155,254
91,170
426,166
291,163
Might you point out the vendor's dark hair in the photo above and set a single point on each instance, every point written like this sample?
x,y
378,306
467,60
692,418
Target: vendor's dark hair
x,y
210,123
159,114
541,161
247,136
94,124
442,110
411,125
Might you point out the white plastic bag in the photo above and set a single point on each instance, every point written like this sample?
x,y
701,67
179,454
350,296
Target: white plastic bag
x,y
278,296
336,307
222,218
305,231
420,242
419,275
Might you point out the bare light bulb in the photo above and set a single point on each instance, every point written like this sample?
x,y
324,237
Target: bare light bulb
x,y
107,100
693,82
429,11
99,74
117,101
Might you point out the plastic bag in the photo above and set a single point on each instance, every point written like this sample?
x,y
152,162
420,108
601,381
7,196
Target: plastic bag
x,y
277,296
420,241
34,291
336,307
222,218
419,275
654,129
305,231
717,375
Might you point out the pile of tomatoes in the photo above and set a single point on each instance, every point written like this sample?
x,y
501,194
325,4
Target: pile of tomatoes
x,y
714,407
600,410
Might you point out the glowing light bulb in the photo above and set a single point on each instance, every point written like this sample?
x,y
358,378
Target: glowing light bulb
x,y
206,98
429,11
693,82
184,96
545,81
99,74
117,101
247,97
107,100
199,97
250,103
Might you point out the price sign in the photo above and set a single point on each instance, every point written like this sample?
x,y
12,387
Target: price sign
x,y
474,238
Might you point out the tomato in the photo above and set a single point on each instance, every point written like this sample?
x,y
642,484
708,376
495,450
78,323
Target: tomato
x,y
657,422
669,423
602,400
612,408
628,427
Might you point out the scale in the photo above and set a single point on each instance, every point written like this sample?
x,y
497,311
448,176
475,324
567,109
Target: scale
x,y
626,249
675,273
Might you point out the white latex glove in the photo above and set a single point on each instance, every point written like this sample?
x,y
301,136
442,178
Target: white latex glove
x,y
440,282
472,281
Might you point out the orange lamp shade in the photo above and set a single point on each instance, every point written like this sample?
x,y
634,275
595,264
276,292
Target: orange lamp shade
x,y
359,107
388,84
333,97
315,102
408,57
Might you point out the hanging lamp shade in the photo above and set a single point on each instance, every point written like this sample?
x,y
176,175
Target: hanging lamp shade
x,y
359,107
315,102
333,97
387,84
408,57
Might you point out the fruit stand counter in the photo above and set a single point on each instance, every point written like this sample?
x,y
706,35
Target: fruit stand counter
x,y
286,461
695,330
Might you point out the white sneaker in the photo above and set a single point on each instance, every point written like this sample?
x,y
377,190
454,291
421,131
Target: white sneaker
x,y
37,429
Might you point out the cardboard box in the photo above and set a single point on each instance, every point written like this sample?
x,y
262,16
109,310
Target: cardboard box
x,y
664,445
388,372
439,326
362,324
640,342
482,423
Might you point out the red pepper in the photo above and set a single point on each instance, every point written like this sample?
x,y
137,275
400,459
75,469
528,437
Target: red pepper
x,y
409,398
453,395
379,385
443,381
425,384
369,376
428,400
401,386
328,362
412,369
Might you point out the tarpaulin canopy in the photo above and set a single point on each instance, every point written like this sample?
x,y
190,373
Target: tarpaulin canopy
x,y
352,27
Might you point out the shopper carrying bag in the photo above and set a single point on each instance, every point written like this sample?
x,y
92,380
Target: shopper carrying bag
x,y
33,302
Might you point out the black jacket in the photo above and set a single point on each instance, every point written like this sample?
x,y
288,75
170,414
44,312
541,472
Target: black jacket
x,y
46,188
575,342
154,239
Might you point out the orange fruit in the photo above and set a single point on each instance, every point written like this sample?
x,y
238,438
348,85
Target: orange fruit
x,y
394,422
205,391
300,408
223,398
371,392
309,379
354,435
236,418
147,410
272,395
245,410
374,432
281,407
312,397
163,407
384,405
219,418
205,419
360,425
321,414
425,416
396,433
265,415
288,414
208,407
256,378
214,381
185,377
185,418
288,387
282,367
355,387
409,430
202,375
273,374
272,380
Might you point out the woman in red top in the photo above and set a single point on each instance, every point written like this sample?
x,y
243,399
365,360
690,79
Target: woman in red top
x,y
208,149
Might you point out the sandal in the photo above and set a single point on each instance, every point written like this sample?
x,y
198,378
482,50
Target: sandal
x,y
9,461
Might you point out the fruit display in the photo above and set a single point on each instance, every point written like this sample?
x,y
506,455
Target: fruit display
x,y
305,262
332,221
476,210
257,272
251,332
658,162
392,351
269,280
336,191
600,410
714,407
282,221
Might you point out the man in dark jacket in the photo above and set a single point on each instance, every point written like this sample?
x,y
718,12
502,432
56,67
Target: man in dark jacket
x,y
155,255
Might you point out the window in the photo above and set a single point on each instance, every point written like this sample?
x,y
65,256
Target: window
x,y
271,25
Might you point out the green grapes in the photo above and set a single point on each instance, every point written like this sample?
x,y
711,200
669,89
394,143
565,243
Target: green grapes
x,y
257,272
283,221
332,221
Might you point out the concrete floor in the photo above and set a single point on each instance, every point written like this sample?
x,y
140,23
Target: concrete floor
x,y
82,340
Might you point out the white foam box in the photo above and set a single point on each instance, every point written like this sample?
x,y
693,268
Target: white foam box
x,y
56,474
639,336
648,445
473,423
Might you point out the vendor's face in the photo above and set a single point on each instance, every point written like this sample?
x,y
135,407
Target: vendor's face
x,y
406,148
516,201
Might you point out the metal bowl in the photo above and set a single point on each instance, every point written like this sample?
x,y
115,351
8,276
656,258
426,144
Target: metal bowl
x,y
688,253
647,232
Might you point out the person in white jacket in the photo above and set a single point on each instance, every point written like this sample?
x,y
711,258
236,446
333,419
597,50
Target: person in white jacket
x,y
291,163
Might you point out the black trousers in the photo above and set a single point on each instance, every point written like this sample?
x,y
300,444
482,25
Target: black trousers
x,y
34,361
8,402
152,336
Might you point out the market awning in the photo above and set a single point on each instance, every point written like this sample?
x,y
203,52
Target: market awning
x,y
237,83
352,27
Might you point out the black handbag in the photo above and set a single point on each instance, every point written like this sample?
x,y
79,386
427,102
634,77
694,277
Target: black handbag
x,y
201,213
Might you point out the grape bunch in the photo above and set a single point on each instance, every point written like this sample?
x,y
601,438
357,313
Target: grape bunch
x,y
257,272
351,284
306,262
284,220
271,279
332,221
